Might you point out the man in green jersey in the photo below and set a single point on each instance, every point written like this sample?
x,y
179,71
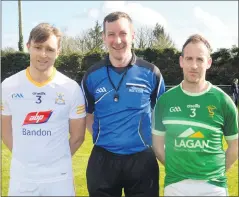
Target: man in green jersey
x,y
190,120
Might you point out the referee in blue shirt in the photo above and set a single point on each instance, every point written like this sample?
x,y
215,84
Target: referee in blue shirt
x,y
121,91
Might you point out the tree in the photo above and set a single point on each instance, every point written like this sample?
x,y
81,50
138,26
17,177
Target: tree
x,y
93,38
162,40
70,45
235,53
88,40
7,50
20,43
144,38
221,56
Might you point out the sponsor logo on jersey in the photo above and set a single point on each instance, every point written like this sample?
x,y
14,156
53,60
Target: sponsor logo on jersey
x,y
101,90
17,95
60,100
39,132
211,109
37,117
39,93
80,109
193,106
191,139
138,88
175,109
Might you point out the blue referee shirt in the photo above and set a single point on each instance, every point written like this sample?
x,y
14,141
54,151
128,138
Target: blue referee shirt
x,y
122,127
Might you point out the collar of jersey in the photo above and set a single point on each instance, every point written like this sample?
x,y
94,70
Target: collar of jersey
x,y
37,83
196,94
132,61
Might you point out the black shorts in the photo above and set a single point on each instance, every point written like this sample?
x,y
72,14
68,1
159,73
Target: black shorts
x,y
108,173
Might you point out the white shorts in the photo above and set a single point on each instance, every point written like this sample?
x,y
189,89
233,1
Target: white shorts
x,y
57,188
194,188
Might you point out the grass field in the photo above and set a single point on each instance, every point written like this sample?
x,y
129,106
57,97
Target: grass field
x,y
79,164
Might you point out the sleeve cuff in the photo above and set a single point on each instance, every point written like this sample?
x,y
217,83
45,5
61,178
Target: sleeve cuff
x,y
78,116
232,137
159,133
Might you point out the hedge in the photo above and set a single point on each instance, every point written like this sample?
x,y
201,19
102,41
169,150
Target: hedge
x,y
74,65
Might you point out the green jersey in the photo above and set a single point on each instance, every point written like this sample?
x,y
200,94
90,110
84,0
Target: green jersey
x,y
194,126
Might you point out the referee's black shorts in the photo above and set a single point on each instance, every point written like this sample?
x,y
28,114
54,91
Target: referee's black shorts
x,y
108,173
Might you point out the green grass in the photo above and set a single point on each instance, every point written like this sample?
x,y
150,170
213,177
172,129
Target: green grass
x,y
79,165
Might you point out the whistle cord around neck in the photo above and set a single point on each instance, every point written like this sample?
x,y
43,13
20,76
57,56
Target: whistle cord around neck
x,y
116,95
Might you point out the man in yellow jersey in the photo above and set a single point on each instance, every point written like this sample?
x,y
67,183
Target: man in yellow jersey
x,y
40,107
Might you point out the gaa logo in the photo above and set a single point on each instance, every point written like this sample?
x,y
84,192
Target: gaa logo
x,y
175,109
100,90
17,95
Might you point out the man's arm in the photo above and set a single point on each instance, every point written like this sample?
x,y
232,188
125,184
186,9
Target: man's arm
x,y
90,104
7,131
77,120
158,147
158,131
6,116
230,130
77,133
89,122
231,153
159,87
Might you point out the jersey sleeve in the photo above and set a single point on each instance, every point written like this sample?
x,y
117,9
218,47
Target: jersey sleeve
x,y
89,98
158,126
78,104
230,119
159,87
5,108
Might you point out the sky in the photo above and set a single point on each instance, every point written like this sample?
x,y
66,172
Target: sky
x,y
217,21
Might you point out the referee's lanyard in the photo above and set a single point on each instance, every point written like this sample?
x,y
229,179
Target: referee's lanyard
x,y
116,95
